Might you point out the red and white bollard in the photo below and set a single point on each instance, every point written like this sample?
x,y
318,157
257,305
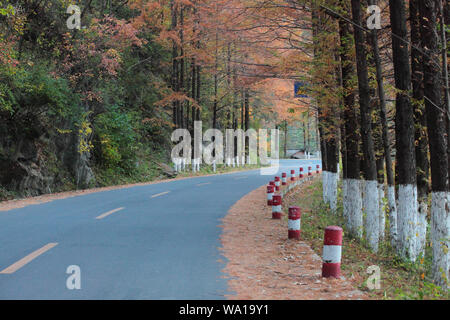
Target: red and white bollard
x,y
283,179
318,169
301,173
332,250
269,195
309,171
295,215
292,175
276,207
277,184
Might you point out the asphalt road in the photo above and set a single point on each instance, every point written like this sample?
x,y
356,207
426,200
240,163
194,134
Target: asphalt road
x,y
159,241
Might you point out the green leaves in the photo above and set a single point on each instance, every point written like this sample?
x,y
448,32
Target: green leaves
x,y
117,139
9,10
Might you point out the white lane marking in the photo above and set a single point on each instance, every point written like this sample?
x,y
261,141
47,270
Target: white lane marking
x,y
203,184
160,194
25,260
108,213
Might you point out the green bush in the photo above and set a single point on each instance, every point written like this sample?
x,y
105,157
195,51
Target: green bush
x,y
117,141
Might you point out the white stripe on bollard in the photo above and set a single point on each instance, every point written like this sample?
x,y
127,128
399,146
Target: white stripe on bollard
x,y
332,254
294,224
276,208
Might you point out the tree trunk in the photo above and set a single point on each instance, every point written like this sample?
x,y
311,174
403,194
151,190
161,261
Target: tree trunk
x,y
181,84
216,83
174,64
246,123
285,138
440,192
371,202
304,134
404,134
198,97
193,92
445,25
421,139
382,140
392,206
242,109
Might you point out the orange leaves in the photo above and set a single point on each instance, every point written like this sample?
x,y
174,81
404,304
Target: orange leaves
x,y
279,94
175,97
116,33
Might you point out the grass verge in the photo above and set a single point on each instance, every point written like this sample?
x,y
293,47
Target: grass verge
x,y
399,279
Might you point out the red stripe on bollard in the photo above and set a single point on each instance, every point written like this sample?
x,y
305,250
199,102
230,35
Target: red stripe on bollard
x,y
294,222
309,171
276,207
292,175
332,250
283,179
277,183
269,195
301,173
272,183
317,169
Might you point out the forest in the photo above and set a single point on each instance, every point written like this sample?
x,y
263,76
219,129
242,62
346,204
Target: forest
x,y
94,103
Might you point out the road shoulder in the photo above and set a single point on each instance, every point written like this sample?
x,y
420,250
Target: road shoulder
x,y
264,264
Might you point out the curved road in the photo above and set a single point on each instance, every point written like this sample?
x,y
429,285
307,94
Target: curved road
x,y
159,241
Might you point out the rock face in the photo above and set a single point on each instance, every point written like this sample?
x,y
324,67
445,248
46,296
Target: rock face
x,y
25,169
82,172
36,165
168,171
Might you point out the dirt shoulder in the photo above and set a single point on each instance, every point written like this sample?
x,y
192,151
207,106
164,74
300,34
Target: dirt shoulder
x,y
264,264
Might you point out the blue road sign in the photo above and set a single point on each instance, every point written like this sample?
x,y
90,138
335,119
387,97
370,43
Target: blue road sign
x,y
300,89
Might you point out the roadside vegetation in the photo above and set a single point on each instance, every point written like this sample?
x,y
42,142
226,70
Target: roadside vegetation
x,y
399,279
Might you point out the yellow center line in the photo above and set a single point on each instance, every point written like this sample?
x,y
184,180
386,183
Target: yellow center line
x,y
108,213
19,264
203,184
160,194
